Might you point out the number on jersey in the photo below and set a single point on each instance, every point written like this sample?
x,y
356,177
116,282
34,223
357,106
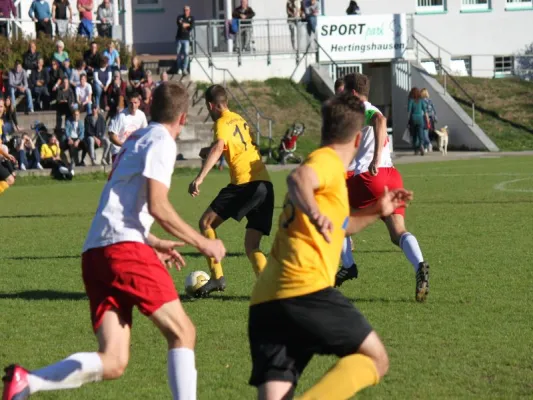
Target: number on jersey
x,y
238,132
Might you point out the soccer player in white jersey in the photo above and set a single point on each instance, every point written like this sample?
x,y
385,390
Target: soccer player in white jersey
x,y
122,264
125,123
369,174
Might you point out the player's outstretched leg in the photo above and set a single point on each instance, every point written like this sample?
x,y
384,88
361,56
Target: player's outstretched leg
x,y
108,363
349,267
252,241
208,223
410,247
352,373
6,183
180,333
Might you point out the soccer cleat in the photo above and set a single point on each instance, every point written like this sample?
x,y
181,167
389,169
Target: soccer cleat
x,y
422,282
16,386
345,274
212,285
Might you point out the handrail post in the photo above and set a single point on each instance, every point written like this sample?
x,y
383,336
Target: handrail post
x,y
440,61
269,61
297,27
445,83
269,139
258,139
209,38
473,114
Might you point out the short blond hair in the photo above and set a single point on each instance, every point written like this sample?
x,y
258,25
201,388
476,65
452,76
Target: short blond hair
x,y
424,93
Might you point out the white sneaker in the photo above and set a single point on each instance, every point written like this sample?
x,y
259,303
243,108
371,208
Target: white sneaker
x,y
63,170
39,166
72,172
22,167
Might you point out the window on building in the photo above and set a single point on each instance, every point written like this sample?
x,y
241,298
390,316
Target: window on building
x,y
518,4
430,5
461,66
148,4
474,5
432,66
503,65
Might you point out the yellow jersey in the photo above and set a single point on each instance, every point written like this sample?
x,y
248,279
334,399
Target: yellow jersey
x,y
301,261
241,154
48,151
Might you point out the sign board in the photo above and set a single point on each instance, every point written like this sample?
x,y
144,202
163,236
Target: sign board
x,y
362,37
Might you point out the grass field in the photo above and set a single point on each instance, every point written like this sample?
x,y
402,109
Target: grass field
x,y
472,339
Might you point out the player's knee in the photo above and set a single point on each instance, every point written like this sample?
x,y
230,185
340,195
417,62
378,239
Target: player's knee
x,y
181,334
10,180
381,361
114,366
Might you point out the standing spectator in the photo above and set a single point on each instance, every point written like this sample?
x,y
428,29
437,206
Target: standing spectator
x,y
149,82
102,80
51,158
59,16
294,12
431,120
41,14
84,95
92,59
114,93
185,24
7,8
353,8
85,8
9,118
39,81
146,103
74,135
60,54
28,155
65,103
113,57
95,137
18,83
105,16
77,72
136,75
163,78
417,114
312,11
244,14
56,76
30,57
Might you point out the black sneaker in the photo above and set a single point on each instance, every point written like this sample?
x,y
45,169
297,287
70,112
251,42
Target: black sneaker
x,y
345,274
422,282
212,285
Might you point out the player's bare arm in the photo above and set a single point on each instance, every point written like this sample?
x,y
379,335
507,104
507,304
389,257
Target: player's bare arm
x,y
8,156
212,158
114,139
385,206
160,208
166,251
379,125
302,183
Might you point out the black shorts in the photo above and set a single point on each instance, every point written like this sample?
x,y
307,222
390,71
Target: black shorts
x,y
254,200
6,170
285,334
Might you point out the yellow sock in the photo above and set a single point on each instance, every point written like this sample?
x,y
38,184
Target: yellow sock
x,y
3,186
258,260
350,375
215,268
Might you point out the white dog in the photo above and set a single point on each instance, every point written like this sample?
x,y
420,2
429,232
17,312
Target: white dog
x,y
443,139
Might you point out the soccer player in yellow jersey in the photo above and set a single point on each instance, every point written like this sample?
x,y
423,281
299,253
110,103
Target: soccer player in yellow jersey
x,y
250,193
295,312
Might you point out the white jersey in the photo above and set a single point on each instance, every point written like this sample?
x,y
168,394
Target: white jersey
x,y
365,152
122,214
124,124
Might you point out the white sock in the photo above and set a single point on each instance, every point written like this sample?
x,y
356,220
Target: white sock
x,y
182,373
411,249
346,254
69,373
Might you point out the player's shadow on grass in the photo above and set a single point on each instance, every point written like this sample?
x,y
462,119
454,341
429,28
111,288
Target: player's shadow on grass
x,y
50,215
37,258
476,202
191,254
37,295
221,297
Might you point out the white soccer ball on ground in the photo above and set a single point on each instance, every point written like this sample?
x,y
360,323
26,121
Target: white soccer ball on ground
x,y
194,281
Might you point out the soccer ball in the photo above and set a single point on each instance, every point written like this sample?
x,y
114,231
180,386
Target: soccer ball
x,y
194,281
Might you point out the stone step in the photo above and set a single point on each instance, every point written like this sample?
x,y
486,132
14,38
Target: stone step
x,y
190,149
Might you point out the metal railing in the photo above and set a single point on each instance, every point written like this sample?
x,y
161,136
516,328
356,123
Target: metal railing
x,y
258,114
16,30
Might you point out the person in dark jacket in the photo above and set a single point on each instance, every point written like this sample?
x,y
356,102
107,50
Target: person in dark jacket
x,y
9,117
56,76
114,92
95,137
39,81
244,14
136,75
92,59
65,103
185,24
30,57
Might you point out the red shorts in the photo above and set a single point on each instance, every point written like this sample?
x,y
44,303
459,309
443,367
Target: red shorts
x,y
122,276
364,189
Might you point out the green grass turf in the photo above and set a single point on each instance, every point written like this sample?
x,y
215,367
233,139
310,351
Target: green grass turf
x,y
472,339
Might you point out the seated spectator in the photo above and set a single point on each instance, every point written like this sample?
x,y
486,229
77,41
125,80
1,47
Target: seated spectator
x,y
244,15
146,103
95,137
77,72
9,117
149,82
28,155
92,59
39,81
59,16
74,136
51,158
105,16
66,102
163,78
18,83
60,54
30,57
56,76
113,57
312,11
115,91
67,69
84,95
102,80
136,75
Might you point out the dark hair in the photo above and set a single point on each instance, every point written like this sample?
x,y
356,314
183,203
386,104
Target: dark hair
x,y
133,94
216,94
79,64
414,94
104,61
93,42
342,117
338,84
17,63
169,101
358,82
